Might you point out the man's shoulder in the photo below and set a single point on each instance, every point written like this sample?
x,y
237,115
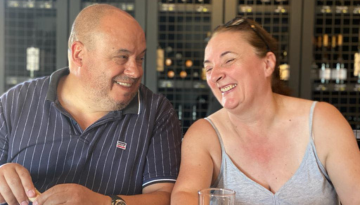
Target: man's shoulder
x,y
155,101
30,84
23,89
148,95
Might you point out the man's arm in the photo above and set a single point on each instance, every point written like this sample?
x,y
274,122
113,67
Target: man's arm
x,y
68,194
3,135
15,184
15,181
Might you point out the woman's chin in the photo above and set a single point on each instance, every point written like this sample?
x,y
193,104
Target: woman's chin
x,y
229,104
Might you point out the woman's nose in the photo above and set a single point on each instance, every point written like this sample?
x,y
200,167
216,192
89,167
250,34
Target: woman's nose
x,y
216,75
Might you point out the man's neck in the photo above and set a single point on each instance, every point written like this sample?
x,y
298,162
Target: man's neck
x,y
71,100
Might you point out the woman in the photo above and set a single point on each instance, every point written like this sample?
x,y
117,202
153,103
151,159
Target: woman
x,y
269,148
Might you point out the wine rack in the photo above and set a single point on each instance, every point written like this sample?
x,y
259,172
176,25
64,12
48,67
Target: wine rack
x,y
29,24
274,16
335,42
180,34
183,28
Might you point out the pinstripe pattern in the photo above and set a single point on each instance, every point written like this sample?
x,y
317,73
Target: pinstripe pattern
x,y
36,132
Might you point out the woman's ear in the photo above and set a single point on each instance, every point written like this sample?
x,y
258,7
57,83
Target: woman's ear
x,y
270,62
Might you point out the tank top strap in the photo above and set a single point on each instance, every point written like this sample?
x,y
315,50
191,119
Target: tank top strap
x,y
312,144
217,133
311,119
223,155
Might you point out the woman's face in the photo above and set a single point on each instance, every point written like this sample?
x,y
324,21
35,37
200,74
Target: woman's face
x,y
234,72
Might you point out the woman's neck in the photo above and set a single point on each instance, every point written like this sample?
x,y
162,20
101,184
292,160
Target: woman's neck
x,y
257,118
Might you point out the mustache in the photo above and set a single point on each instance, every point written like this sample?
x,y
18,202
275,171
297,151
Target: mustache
x,y
126,78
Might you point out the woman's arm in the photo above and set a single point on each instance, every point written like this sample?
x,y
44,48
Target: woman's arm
x,y
339,152
196,169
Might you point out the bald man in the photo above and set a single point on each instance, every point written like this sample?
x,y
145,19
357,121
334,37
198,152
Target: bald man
x,y
90,133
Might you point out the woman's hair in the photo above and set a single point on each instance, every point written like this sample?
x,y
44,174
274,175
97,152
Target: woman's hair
x,y
263,43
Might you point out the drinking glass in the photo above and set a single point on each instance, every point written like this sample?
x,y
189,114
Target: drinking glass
x,y
216,196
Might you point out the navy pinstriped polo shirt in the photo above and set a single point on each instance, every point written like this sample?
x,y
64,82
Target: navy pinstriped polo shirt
x,y
119,154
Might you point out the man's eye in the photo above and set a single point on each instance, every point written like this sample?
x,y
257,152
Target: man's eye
x,y
208,69
121,59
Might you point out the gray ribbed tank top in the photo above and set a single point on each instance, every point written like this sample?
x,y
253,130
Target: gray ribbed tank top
x,y
309,185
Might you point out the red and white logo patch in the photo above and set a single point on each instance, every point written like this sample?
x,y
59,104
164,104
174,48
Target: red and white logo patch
x,y
121,145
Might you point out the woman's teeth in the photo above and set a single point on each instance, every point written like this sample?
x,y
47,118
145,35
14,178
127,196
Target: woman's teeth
x,y
227,88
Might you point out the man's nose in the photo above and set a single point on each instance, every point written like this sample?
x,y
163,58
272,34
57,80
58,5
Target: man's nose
x,y
133,69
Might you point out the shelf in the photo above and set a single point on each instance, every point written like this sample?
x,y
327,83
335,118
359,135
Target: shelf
x,y
338,10
184,84
31,4
198,8
129,7
336,87
266,9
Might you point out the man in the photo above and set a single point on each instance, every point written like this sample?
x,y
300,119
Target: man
x,y
91,131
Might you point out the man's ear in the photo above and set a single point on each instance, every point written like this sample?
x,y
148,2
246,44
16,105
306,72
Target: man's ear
x,y
270,62
77,53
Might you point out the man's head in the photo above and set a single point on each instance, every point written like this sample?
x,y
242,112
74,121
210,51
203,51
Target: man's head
x,y
106,51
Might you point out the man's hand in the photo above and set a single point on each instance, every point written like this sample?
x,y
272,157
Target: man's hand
x,y
71,194
16,185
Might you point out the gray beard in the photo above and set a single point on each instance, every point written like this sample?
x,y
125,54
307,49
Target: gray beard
x,y
122,105
105,103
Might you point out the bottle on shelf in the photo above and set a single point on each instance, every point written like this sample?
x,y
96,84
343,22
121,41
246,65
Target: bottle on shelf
x,y
325,70
357,66
314,70
357,69
194,113
32,60
335,70
343,73
340,76
314,67
180,113
340,70
160,59
336,75
284,67
325,73
183,74
203,74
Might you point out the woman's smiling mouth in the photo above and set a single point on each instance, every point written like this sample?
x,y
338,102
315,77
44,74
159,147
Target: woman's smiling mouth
x,y
227,88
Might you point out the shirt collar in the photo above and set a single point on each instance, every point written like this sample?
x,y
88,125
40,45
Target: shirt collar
x,y
133,107
54,80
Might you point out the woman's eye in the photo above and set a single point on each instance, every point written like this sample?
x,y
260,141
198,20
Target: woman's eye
x,y
228,61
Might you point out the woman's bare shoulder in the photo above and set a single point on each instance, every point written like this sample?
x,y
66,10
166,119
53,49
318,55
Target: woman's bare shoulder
x,y
294,107
200,129
328,118
203,136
